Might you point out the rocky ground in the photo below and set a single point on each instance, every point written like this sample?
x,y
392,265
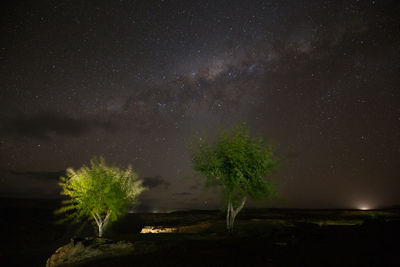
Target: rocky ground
x,y
89,249
262,238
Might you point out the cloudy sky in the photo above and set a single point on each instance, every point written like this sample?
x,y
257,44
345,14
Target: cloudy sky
x,y
134,81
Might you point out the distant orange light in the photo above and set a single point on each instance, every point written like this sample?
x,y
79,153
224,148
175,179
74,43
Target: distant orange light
x,y
363,208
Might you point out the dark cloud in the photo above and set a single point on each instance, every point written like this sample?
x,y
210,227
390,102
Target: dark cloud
x,y
194,187
182,194
147,205
42,184
155,181
45,125
44,175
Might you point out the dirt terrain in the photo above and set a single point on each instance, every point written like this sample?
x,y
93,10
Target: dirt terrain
x,y
271,237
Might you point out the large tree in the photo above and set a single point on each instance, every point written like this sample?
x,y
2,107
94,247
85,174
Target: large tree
x,y
238,164
101,193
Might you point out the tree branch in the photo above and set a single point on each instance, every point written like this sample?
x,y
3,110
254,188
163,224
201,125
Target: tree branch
x,y
239,208
241,204
107,217
95,218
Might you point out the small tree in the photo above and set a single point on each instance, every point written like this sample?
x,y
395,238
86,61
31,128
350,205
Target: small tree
x,y
99,192
236,163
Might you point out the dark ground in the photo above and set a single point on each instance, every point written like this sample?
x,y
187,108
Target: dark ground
x,y
275,237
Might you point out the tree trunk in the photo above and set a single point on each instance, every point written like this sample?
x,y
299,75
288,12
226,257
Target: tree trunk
x,y
228,216
101,224
100,230
231,214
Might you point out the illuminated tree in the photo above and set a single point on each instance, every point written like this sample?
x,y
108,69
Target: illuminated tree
x,y
238,164
101,193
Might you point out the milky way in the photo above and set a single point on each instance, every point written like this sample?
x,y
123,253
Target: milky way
x,y
136,80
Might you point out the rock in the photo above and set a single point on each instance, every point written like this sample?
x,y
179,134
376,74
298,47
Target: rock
x,y
187,229
158,230
79,251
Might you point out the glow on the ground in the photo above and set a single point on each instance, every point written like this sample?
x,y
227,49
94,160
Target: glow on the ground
x,y
363,208
158,230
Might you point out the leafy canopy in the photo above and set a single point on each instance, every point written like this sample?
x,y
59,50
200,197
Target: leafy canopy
x,y
236,162
99,189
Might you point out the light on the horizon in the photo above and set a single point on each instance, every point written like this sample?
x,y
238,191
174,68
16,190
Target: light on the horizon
x,y
364,208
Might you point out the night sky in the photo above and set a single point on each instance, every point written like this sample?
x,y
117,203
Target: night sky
x,y
134,81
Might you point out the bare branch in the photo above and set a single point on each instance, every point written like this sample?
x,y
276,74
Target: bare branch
x,y
95,218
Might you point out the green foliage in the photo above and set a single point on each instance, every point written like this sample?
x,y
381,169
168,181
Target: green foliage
x,y
99,189
236,162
